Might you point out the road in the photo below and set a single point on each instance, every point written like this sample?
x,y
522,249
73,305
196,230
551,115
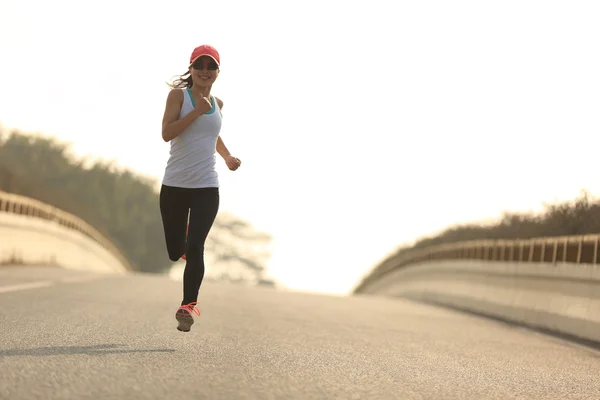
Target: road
x,y
75,335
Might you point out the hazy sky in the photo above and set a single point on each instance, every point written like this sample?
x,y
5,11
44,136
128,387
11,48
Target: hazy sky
x,y
360,125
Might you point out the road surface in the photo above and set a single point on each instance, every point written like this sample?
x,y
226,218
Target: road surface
x,y
75,335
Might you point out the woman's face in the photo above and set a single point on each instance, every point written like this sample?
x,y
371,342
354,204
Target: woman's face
x,y
204,71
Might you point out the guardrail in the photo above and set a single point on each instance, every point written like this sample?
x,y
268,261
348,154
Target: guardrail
x,y
22,205
566,249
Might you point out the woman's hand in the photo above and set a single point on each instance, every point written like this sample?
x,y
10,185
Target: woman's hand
x,y
203,105
232,162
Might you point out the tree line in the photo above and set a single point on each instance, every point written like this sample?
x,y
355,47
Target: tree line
x,y
120,204
574,217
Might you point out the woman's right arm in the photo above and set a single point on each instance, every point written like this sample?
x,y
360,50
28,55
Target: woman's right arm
x,y
172,126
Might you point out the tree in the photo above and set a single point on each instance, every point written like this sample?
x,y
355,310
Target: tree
x,y
576,217
119,203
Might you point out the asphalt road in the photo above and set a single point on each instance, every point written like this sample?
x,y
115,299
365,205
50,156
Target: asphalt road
x,y
73,335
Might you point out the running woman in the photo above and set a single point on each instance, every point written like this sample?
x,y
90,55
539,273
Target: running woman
x,y
190,186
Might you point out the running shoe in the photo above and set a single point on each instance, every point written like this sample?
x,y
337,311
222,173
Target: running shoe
x,y
184,316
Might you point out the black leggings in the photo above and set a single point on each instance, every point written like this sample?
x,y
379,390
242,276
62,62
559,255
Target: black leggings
x,y
202,205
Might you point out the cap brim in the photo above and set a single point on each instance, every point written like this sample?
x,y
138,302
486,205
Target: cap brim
x,y
204,55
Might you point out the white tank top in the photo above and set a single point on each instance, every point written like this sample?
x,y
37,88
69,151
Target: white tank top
x,y
192,159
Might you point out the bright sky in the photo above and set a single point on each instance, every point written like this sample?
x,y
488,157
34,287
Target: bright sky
x,y
360,125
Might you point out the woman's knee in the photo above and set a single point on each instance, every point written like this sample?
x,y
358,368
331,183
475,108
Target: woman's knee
x,y
195,249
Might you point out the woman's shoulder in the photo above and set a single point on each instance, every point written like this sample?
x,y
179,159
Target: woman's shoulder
x,y
176,93
175,96
219,101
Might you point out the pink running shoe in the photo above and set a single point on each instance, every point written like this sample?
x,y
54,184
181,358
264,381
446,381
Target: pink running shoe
x,y
184,316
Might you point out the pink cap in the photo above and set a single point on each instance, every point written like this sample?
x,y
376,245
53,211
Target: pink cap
x,y
205,50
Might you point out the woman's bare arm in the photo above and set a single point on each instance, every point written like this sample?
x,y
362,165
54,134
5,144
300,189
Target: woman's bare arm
x,y
172,126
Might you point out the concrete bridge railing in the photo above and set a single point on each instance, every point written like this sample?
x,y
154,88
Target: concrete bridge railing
x,y
32,232
550,283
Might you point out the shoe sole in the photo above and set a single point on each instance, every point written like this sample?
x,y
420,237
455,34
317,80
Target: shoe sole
x,y
185,321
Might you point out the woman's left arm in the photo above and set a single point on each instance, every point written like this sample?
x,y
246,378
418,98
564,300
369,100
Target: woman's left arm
x,y
232,162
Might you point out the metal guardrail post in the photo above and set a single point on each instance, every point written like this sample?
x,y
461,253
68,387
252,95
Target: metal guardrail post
x,y
521,250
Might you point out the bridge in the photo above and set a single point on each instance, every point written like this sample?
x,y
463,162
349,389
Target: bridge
x,y
471,320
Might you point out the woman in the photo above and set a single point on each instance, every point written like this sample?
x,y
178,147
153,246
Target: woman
x,y
192,125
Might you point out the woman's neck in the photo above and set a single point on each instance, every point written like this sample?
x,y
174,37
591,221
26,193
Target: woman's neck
x,y
199,91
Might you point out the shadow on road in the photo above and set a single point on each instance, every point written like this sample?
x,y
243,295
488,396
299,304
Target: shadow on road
x,y
71,350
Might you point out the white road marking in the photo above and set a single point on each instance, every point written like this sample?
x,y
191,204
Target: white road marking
x,y
74,279
25,286
40,284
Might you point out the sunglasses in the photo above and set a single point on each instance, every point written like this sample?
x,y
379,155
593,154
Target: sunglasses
x,y
200,65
